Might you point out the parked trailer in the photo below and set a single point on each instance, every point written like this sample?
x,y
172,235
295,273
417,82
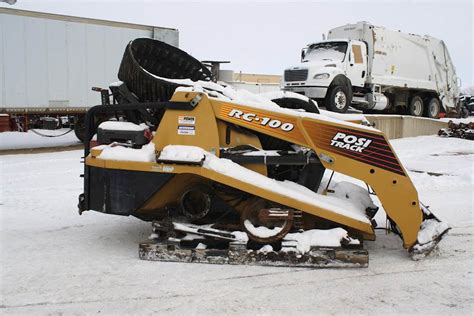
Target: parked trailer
x,y
376,69
49,63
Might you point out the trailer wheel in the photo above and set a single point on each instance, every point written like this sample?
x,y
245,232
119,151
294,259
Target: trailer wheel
x,y
79,127
433,108
338,99
416,106
464,112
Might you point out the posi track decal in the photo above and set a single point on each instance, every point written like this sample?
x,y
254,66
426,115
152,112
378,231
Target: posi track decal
x,y
350,142
364,146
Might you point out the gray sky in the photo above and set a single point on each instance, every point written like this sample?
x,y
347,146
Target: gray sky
x,y
266,36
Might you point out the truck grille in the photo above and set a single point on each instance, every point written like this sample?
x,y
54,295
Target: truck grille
x,y
296,75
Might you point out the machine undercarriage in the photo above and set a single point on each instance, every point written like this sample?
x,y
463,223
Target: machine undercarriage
x,y
171,242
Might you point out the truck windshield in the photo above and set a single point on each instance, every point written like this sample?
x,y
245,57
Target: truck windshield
x,y
334,51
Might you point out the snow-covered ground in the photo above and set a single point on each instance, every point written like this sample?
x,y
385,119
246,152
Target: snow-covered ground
x,y
20,140
54,261
458,120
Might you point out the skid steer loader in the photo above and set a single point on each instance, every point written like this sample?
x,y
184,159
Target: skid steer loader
x,y
230,177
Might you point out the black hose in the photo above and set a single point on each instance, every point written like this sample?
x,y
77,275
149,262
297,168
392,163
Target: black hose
x,y
45,135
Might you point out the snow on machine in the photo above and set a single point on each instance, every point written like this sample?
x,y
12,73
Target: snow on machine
x,y
231,177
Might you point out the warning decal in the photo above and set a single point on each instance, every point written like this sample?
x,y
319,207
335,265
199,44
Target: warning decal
x,y
186,130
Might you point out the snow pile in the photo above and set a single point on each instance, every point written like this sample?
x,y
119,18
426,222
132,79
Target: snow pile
x,y
354,193
286,188
240,236
261,231
122,126
265,249
430,230
21,140
153,236
318,238
116,83
427,238
229,94
201,246
182,153
466,120
114,152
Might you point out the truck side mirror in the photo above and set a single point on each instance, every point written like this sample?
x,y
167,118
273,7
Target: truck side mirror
x,y
303,53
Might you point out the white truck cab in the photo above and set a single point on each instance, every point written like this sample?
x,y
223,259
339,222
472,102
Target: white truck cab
x,y
374,69
321,63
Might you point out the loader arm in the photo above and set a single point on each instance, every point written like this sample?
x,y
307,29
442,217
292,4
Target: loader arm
x,y
354,150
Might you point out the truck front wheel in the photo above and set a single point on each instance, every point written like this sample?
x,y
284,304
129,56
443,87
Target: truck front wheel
x,y
433,108
338,99
416,106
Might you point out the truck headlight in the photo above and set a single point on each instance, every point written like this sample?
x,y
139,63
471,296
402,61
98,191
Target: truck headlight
x,y
321,76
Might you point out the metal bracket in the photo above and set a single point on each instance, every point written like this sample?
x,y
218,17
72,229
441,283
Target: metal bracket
x,y
326,158
195,101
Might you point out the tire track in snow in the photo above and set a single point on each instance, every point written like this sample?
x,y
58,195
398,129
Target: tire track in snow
x,y
108,300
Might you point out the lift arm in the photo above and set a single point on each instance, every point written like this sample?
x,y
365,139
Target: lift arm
x,y
354,150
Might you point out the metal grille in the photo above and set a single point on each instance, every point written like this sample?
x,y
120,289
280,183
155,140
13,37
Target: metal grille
x,y
296,75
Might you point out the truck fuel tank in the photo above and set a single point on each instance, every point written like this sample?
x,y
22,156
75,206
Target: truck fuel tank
x,y
372,101
377,101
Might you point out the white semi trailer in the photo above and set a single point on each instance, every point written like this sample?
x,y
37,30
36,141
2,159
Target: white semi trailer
x,y
50,62
375,69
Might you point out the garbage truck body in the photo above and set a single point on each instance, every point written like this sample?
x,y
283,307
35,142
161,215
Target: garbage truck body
x,y
376,69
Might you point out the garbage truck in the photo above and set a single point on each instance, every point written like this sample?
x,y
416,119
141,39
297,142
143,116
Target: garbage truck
x,y
374,69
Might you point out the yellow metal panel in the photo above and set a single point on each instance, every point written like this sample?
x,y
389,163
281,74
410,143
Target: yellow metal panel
x,y
174,129
362,227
